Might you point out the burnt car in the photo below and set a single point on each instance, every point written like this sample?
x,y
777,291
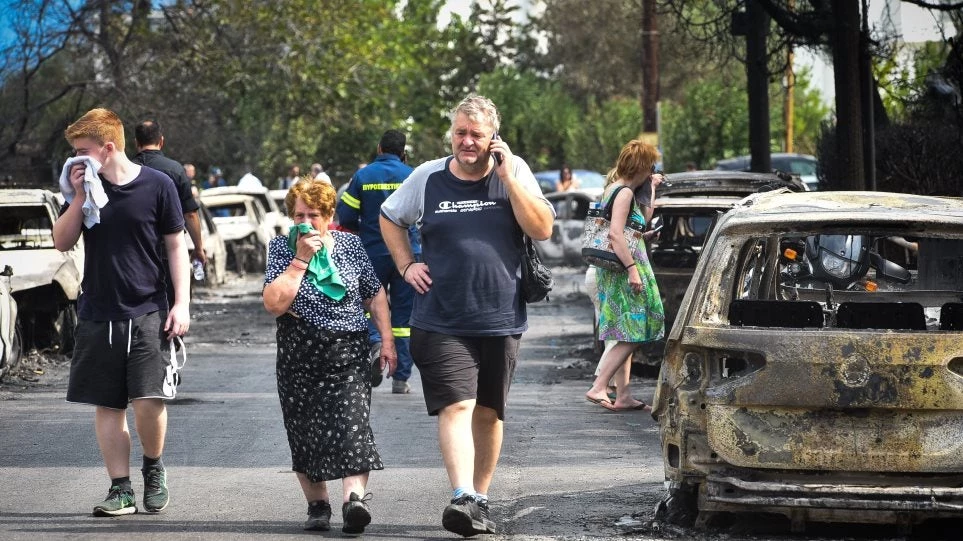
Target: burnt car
x,y
564,246
240,220
45,282
815,367
686,207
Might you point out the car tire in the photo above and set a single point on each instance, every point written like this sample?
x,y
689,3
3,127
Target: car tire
x,y
679,506
65,327
210,273
11,364
258,258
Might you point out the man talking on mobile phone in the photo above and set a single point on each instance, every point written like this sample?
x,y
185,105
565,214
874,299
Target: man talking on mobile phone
x,y
472,209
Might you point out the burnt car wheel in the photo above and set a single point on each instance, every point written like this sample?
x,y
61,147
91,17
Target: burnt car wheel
x,y
65,326
11,364
679,506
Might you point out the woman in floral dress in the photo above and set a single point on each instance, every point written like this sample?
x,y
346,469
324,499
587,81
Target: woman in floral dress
x,y
630,308
319,283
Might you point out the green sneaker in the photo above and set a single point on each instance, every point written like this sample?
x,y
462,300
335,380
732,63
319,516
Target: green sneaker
x,y
118,502
156,496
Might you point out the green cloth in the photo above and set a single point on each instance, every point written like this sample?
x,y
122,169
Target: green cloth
x,y
322,272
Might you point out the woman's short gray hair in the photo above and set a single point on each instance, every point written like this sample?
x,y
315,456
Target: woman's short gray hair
x,y
478,108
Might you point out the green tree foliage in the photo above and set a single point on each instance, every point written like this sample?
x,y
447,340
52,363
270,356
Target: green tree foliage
x,y
248,85
711,122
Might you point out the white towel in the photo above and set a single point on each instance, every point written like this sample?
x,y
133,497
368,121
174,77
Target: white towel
x,y
96,198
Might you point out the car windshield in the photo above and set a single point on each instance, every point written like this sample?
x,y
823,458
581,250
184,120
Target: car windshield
x,y
681,238
25,228
233,210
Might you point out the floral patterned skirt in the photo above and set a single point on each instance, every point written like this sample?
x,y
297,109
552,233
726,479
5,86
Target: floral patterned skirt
x,y
627,316
324,383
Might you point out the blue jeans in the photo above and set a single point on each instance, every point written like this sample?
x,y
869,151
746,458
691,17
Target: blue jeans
x,y
400,298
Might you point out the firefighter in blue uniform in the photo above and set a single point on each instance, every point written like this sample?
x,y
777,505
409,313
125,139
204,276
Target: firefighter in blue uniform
x,y
359,210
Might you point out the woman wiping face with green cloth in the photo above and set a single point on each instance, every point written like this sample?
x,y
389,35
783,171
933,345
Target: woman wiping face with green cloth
x,y
319,283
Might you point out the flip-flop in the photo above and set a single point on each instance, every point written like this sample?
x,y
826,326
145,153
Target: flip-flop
x,y
600,401
640,407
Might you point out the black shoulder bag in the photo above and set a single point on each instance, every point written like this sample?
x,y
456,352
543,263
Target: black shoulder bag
x,y
537,279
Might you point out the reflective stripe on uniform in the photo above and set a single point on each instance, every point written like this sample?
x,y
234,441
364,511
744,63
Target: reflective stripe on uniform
x,y
351,201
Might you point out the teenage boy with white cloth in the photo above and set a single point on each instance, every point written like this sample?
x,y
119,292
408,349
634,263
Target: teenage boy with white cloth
x,y
122,350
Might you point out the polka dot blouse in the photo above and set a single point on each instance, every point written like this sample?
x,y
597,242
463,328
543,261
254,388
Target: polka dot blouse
x,y
317,308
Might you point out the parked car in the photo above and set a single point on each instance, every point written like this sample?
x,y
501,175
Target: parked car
x,y
686,206
805,166
45,281
590,182
564,247
215,270
240,221
11,341
284,221
815,367
274,215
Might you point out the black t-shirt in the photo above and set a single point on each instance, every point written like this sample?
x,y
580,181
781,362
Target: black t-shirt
x,y
155,159
123,262
472,246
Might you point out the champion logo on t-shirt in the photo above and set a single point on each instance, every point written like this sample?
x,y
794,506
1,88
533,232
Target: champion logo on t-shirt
x,y
471,205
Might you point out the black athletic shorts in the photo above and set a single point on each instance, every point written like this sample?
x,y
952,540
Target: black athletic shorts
x,y
458,368
115,362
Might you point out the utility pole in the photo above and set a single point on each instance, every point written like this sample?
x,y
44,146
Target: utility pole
x,y
758,86
650,69
788,111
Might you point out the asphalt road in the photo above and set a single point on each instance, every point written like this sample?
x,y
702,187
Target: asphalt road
x,y
569,469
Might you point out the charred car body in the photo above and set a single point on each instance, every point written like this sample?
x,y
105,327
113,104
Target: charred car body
x,y
45,281
687,206
815,368
240,220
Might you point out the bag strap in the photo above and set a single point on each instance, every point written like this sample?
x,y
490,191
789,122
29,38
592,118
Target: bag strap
x,y
607,211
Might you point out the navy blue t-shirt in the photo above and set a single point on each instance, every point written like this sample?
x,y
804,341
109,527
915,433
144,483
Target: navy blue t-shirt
x,y
123,273
472,246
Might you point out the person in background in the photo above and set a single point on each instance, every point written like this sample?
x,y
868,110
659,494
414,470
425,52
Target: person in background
x,y
691,166
125,326
215,179
318,283
472,209
150,140
317,173
566,181
191,173
359,209
294,171
630,307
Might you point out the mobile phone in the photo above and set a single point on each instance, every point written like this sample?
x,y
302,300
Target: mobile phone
x,y
496,155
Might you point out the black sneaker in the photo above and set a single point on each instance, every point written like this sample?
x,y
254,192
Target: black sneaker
x,y
486,517
156,496
356,514
463,517
374,355
319,516
119,501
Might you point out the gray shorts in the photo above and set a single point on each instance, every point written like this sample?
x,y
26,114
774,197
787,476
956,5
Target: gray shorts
x,y
457,368
115,362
